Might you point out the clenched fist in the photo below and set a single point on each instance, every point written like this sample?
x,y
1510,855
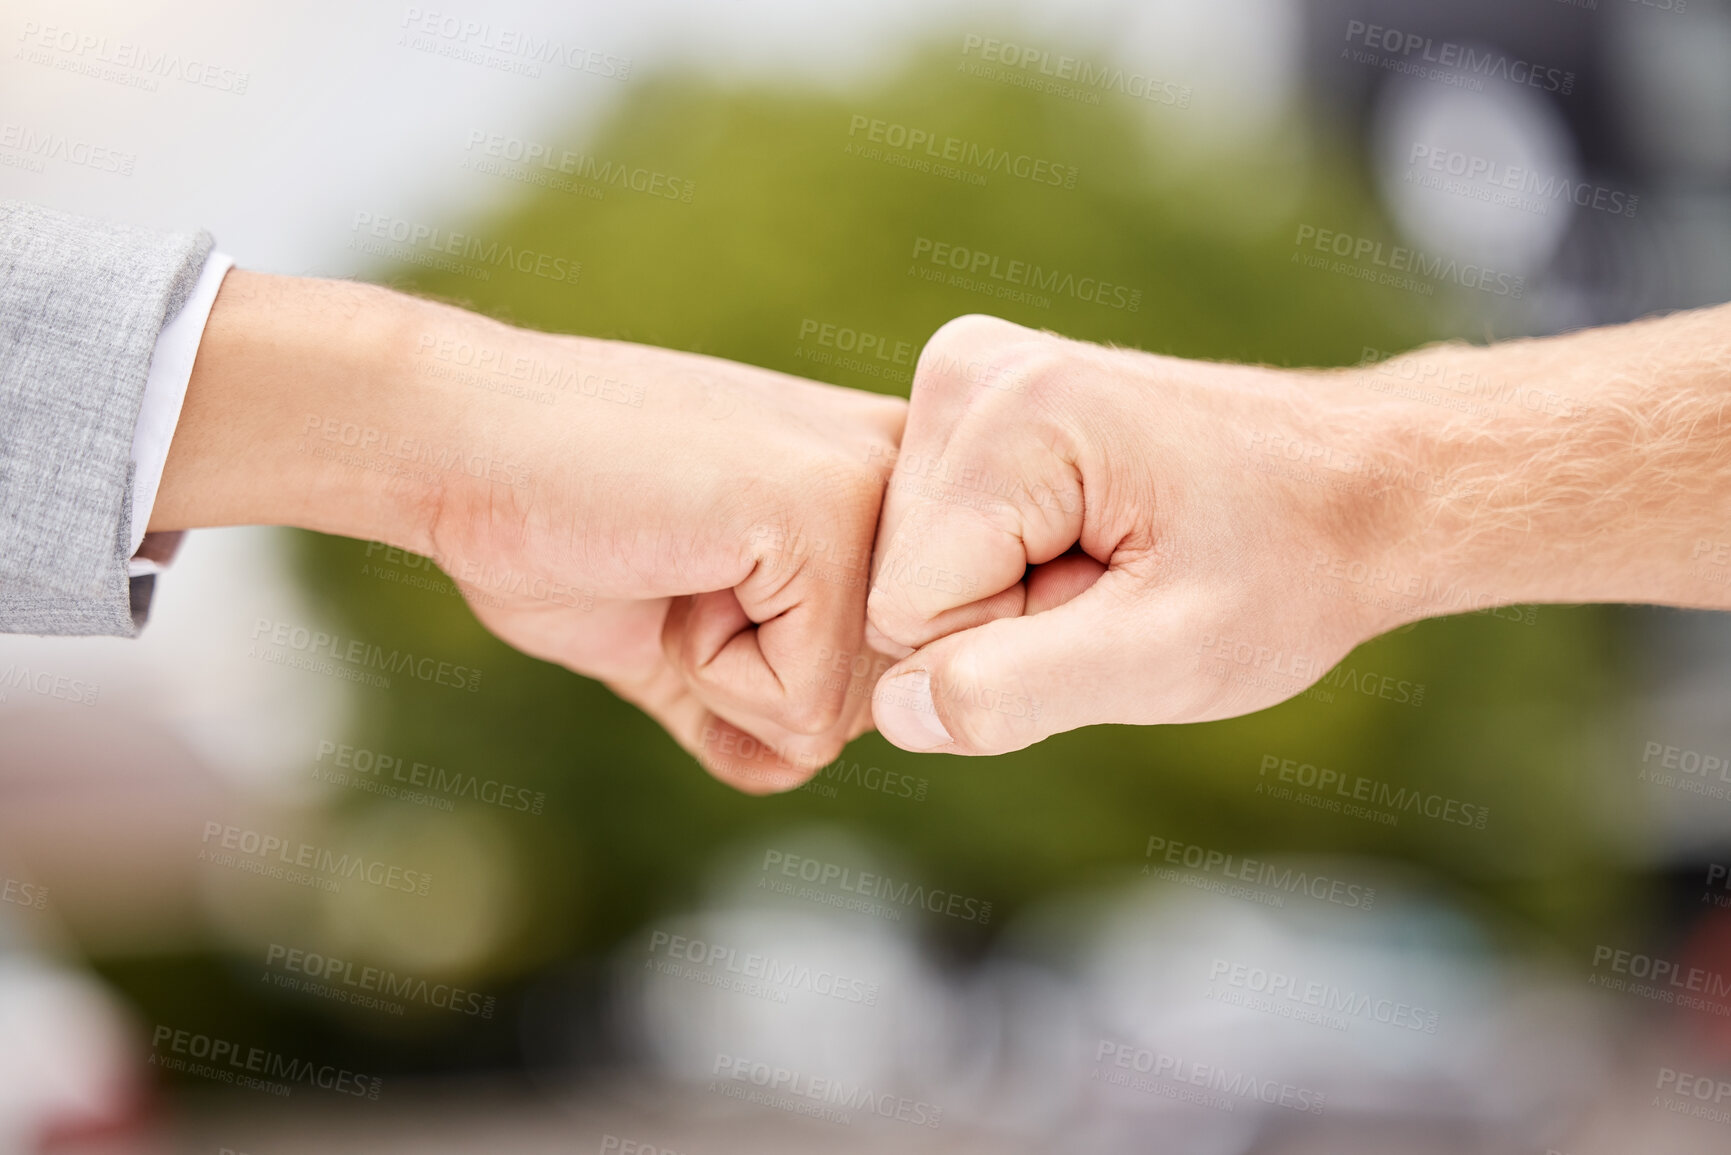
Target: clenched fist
x,y
1073,533
1077,534
716,518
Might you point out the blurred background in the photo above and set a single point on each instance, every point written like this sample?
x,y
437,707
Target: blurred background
x,y
1467,895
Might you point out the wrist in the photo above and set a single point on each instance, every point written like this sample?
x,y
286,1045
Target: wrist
x,y
1424,521
1342,480
1409,548
300,411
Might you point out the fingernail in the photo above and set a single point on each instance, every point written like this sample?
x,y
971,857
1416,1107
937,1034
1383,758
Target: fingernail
x,y
906,715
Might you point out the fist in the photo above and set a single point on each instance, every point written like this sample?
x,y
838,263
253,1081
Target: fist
x,y
1076,534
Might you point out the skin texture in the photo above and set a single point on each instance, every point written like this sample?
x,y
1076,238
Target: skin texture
x,y
1071,534
1078,535
694,533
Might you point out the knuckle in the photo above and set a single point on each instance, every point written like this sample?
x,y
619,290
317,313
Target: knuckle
x,y
752,764
974,332
810,714
888,612
814,755
754,778
981,357
845,490
677,645
696,664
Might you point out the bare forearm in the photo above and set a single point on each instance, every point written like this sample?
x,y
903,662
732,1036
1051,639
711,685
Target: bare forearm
x,y
1590,467
644,516
354,410
282,357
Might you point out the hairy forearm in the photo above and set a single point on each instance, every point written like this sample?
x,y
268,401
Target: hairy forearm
x,y
1590,467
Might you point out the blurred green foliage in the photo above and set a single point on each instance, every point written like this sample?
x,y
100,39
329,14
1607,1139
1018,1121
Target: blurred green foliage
x,y
788,223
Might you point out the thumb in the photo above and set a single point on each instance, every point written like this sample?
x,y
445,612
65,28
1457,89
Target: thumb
x,y
1009,683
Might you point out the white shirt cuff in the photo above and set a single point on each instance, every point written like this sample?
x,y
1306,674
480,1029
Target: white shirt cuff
x,y
164,393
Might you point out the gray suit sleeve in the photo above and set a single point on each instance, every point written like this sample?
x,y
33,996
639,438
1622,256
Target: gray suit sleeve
x,y
81,306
